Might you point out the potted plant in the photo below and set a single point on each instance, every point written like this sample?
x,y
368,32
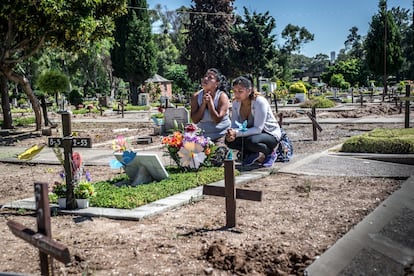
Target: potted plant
x,y
59,189
83,192
158,118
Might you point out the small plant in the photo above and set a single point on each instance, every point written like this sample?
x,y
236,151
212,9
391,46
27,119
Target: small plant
x,y
59,189
84,190
297,87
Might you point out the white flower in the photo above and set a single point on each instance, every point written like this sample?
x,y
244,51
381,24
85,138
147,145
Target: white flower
x,y
191,155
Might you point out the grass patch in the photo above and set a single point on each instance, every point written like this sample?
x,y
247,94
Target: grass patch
x,y
380,140
109,195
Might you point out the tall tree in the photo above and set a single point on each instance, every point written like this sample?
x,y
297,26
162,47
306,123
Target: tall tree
x,y
134,56
209,38
402,21
255,43
382,45
26,25
353,44
295,37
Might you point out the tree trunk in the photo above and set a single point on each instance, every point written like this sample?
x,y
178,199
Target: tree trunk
x,y
134,93
5,103
44,109
24,82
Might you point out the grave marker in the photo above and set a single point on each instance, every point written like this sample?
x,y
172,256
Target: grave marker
x,y
315,124
407,106
42,239
144,168
179,115
230,193
67,142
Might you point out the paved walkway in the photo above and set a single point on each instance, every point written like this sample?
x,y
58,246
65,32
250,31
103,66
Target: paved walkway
x,y
381,244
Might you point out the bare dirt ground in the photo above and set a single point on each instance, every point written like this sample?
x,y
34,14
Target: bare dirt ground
x,y
299,218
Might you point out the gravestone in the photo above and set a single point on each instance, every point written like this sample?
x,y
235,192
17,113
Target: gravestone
x,y
144,168
179,115
143,99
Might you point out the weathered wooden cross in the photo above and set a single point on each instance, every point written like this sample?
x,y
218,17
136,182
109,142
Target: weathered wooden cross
x,y
68,142
42,239
315,124
230,193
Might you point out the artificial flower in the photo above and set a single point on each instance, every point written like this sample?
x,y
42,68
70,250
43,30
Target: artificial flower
x,y
189,149
192,155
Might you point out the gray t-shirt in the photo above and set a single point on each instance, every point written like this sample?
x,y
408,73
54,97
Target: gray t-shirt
x,y
207,124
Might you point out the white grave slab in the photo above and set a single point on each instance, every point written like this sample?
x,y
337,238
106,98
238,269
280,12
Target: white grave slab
x,y
144,168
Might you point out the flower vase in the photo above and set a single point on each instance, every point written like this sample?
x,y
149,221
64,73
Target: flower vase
x,y
82,203
62,202
158,121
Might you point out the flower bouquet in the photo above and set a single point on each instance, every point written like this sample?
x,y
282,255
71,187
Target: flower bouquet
x,y
189,149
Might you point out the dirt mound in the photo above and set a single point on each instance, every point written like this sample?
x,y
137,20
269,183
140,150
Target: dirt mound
x,y
266,259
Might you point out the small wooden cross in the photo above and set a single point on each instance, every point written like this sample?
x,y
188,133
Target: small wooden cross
x,y
230,193
42,239
68,142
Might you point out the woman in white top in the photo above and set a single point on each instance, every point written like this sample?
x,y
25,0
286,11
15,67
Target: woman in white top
x,y
260,134
210,106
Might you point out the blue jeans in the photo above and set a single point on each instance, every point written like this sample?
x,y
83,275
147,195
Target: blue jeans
x,y
263,142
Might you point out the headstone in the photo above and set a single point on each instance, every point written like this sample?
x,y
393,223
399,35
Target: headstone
x,y
104,101
144,168
179,115
143,99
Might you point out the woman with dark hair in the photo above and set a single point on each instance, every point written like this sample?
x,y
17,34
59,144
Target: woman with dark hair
x,y
255,130
210,106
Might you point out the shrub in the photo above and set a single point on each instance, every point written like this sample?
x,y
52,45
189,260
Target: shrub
x,y
318,102
75,97
297,87
398,141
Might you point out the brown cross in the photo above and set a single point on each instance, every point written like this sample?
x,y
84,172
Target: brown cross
x,y
68,143
42,239
230,193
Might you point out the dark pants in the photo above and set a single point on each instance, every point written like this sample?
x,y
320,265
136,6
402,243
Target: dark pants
x,y
262,142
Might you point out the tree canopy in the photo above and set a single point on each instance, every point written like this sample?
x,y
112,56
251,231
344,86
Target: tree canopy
x,y
134,55
382,44
209,38
26,26
255,43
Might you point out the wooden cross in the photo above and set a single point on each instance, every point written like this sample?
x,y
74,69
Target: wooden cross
x,y
230,193
42,239
315,124
68,142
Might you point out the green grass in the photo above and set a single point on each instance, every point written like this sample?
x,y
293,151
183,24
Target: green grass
x,y
109,194
397,141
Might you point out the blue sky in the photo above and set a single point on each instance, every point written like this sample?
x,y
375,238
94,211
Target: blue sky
x,y
328,20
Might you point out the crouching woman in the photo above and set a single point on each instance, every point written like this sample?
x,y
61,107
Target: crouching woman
x,y
254,130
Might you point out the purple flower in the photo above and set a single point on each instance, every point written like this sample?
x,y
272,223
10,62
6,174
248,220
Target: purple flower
x,y
88,176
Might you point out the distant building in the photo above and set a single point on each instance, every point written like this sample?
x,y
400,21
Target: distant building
x,y
164,84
